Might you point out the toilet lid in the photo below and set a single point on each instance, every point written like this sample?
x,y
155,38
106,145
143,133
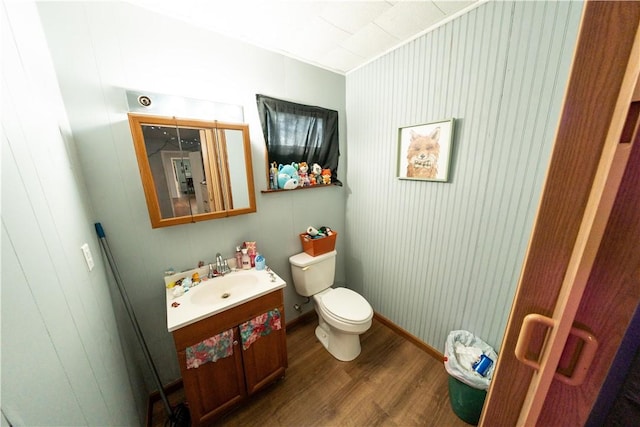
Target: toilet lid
x,y
347,305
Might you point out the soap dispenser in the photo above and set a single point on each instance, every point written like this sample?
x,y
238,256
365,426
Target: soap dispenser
x,y
246,261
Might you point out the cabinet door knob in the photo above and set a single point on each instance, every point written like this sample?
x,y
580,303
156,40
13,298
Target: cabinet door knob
x,y
235,342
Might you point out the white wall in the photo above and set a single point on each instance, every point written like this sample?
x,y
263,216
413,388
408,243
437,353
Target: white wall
x,y
62,358
102,48
436,257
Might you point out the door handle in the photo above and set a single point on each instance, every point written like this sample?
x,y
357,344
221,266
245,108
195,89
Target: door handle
x,y
529,322
583,361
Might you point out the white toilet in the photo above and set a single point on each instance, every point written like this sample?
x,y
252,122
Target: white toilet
x,y
342,313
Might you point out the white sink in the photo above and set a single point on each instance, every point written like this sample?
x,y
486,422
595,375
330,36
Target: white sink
x,y
213,296
229,287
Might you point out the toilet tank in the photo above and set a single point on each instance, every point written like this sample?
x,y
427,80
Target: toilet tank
x,y
312,274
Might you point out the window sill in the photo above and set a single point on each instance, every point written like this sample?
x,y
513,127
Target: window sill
x,y
302,188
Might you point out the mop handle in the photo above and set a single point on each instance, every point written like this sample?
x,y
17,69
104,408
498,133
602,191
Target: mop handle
x,y
132,317
100,231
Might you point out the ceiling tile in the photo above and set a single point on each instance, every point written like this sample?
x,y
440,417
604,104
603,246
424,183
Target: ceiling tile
x,y
274,22
405,19
451,7
352,16
341,59
317,38
370,41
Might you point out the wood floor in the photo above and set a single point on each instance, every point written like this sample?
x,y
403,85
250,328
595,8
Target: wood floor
x,y
391,383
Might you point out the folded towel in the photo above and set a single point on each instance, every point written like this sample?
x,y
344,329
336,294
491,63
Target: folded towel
x,y
259,327
210,350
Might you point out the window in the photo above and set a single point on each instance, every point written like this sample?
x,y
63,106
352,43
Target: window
x,y
297,133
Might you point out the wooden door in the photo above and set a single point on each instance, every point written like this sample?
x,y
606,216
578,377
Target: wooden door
x,y
266,359
610,298
213,388
585,171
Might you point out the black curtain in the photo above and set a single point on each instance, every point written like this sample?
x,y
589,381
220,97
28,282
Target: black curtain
x,y
300,133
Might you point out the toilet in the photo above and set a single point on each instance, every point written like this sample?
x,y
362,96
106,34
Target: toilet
x,y
342,313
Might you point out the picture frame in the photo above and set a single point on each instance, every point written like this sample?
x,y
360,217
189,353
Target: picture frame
x,y
424,151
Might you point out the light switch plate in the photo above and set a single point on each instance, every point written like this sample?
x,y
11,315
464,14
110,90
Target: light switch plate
x,y
86,251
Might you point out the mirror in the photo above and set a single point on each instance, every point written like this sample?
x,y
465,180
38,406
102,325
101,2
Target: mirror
x,y
193,170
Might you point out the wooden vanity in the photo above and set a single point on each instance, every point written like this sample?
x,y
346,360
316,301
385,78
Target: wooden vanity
x,y
215,387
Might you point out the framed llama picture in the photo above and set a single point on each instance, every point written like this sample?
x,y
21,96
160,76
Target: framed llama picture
x,y
424,151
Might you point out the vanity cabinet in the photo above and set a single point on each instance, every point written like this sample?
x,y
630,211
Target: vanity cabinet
x,y
215,387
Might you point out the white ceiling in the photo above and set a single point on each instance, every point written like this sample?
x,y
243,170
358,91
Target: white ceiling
x,y
336,35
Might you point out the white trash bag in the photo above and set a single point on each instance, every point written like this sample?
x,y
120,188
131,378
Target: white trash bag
x,y
462,350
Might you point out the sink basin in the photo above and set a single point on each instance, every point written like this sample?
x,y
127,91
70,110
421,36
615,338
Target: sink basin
x,y
213,296
233,286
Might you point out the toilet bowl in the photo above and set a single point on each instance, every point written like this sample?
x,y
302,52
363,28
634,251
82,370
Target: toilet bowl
x,y
343,314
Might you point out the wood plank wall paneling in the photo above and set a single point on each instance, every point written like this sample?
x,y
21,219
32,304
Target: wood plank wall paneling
x,y
435,257
60,342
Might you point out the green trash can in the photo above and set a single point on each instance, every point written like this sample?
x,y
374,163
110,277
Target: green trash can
x,y
466,401
469,361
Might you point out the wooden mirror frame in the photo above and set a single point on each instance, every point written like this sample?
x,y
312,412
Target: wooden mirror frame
x,y
215,164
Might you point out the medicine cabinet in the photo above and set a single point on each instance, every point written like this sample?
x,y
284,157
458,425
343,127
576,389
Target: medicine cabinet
x,y
193,170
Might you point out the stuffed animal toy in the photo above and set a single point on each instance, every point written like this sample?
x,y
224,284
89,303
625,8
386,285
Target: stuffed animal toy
x,y
288,178
326,176
303,168
316,172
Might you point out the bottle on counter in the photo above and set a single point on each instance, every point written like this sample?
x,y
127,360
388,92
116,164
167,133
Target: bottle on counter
x,y
251,251
238,258
246,261
260,262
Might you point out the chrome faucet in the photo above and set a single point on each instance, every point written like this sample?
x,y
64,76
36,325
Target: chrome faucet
x,y
219,262
221,265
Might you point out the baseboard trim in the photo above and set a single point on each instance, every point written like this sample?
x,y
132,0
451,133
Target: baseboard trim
x,y
409,337
303,318
155,397
308,316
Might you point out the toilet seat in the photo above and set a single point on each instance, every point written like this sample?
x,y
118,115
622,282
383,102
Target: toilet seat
x,y
345,305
